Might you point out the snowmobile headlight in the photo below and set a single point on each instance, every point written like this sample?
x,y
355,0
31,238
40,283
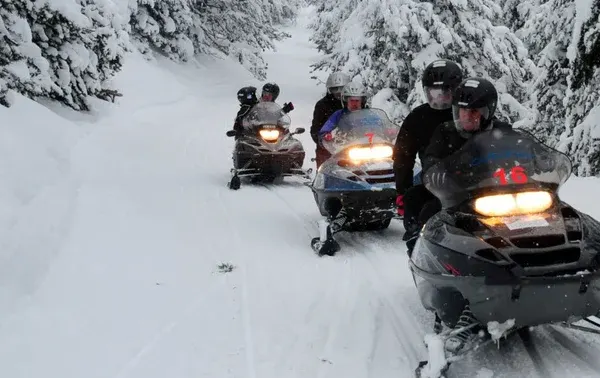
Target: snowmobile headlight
x,y
269,135
513,204
370,153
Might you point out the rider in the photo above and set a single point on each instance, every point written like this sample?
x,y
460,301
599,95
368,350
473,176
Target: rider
x,y
247,98
270,92
324,108
354,97
473,108
440,78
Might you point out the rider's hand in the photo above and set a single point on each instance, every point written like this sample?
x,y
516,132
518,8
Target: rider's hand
x,y
288,107
400,204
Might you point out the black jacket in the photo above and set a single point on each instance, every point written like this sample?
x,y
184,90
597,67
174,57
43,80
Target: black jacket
x,y
414,136
324,108
237,124
447,140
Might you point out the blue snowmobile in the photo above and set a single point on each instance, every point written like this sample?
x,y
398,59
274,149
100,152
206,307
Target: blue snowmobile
x,y
355,188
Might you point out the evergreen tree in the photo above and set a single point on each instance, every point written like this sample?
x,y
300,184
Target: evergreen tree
x,y
548,35
581,139
65,53
389,43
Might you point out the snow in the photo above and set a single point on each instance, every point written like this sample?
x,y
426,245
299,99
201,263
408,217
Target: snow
x,y
436,356
497,330
115,226
583,9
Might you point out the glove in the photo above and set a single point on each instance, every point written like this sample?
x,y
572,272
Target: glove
x,y
287,107
400,204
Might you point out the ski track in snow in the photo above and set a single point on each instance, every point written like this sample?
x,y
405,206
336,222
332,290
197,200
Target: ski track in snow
x,y
143,219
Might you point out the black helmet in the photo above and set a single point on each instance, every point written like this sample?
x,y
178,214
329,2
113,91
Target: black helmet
x,y
271,88
247,96
481,97
440,78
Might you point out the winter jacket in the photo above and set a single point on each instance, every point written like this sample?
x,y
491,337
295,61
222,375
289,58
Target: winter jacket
x,y
413,138
237,125
447,140
332,122
324,108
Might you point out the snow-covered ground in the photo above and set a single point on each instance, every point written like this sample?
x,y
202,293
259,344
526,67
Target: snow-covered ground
x,y
112,226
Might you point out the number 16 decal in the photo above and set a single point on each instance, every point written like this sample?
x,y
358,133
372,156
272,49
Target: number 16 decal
x,y
517,175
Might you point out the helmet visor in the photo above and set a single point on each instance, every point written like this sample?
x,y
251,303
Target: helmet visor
x,y
439,98
470,119
354,103
336,91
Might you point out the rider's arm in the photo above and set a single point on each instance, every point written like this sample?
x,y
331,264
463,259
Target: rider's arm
x,y
317,121
237,125
439,147
331,123
405,153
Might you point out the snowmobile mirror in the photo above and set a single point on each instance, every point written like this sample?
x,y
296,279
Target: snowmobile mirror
x,y
230,133
299,130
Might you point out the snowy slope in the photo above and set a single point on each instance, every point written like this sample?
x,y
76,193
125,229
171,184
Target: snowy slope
x,y
113,227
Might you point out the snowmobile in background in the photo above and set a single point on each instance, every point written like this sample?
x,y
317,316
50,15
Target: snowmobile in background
x,y
505,253
267,150
355,188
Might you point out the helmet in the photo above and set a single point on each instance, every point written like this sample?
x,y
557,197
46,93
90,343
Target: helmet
x,y
247,96
335,83
353,89
440,78
271,88
474,105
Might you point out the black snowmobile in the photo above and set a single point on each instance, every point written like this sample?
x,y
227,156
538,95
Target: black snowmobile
x,y
355,188
505,253
267,151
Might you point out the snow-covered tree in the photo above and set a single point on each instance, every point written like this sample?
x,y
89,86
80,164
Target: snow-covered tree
x,y
517,12
547,34
65,51
581,138
388,43
167,26
241,29
326,27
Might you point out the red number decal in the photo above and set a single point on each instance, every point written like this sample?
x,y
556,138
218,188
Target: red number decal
x,y
517,175
370,135
501,176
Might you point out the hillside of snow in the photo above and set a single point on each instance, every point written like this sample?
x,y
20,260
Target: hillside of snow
x,y
113,225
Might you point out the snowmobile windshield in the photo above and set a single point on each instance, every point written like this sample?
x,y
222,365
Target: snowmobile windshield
x,y
497,162
362,127
266,113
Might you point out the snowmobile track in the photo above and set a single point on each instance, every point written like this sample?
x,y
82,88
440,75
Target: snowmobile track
x,y
304,221
246,316
534,354
575,348
405,330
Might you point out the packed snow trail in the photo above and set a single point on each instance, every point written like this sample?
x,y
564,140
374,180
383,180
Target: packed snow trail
x,y
131,287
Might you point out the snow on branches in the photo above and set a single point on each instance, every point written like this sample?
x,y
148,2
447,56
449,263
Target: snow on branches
x,y
65,51
389,43
581,139
69,50
241,29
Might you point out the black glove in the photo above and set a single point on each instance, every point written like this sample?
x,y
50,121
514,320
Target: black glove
x,y
288,107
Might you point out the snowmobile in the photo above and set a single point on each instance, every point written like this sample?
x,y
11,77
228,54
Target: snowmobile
x,y
505,253
355,188
267,151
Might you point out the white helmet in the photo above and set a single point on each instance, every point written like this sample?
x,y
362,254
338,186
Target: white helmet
x,y
337,79
354,90
335,83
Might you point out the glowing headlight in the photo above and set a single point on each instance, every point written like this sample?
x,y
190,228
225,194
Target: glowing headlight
x,y
513,204
368,153
269,135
